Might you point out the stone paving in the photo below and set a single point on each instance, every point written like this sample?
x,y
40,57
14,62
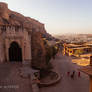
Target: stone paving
x,y
10,80
63,64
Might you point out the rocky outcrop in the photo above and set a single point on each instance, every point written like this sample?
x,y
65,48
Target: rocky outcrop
x,y
9,17
38,51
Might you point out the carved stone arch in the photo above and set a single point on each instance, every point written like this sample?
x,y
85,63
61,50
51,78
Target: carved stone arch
x,y
15,52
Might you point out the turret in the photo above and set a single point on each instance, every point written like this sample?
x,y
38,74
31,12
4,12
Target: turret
x,y
4,11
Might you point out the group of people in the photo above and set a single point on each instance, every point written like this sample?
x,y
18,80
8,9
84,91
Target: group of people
x,y
72,75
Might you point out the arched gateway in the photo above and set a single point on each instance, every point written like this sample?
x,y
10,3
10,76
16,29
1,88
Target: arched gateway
x,y
15,52
15,44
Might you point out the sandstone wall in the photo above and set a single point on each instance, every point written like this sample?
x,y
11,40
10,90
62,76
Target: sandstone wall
x,y
2,49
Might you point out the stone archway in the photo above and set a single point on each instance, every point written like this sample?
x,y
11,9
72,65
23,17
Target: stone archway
x,y
15,52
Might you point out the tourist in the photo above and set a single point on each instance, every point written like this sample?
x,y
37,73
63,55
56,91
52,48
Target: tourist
x,y
68,73
78,74
73,72
72,75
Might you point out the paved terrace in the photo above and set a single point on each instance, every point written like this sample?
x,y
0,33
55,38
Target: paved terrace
x,y
10,80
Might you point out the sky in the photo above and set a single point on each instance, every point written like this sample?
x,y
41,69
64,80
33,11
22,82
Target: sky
x,y
59,16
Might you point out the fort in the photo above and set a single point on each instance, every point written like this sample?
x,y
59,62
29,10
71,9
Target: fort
x,y
21,38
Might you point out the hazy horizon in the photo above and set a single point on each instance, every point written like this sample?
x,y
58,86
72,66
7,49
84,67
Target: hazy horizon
x,y
59,16
73,34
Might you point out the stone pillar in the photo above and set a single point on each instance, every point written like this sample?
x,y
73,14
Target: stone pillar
x,y
23,49
7,49
90,86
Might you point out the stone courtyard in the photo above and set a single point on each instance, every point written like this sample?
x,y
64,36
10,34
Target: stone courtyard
x,y
10,79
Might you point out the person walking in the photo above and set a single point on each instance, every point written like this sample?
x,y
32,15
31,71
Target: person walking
x,y
79,74
72,75
73,72
68,73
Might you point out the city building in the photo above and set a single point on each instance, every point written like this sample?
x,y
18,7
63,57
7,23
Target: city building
x,y
76,50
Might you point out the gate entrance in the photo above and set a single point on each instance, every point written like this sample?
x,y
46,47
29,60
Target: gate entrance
x,y
15,52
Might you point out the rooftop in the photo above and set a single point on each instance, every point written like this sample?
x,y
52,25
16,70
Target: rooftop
x,y
81,48
73,45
